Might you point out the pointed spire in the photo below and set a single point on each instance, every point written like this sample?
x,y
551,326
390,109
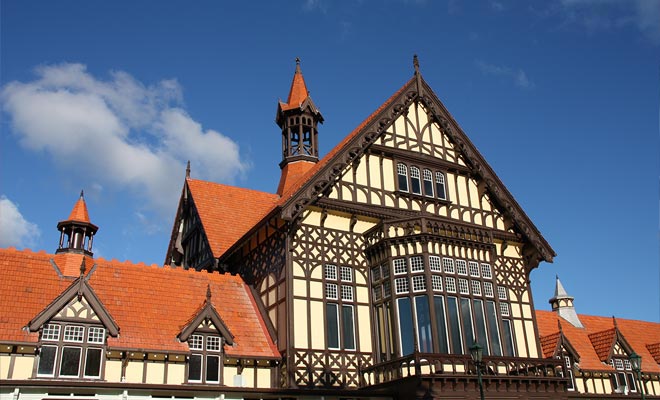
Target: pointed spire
x,y
560,292
79,212
188,169
208,293
298,92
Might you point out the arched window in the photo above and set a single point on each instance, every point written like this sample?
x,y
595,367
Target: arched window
x,y
428,183
402,173
415,182
440,185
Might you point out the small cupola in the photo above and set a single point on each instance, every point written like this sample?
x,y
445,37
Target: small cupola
x,y
77,232
298,118
562,304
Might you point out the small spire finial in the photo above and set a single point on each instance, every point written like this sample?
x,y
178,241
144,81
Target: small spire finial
x,y
83,267
297,60
416,64
188,169
208,292
82,194
614,321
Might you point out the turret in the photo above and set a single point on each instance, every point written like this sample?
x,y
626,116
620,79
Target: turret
x,y
298,118
77,232
562,304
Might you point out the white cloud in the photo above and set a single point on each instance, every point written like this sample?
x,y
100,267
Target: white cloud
x,y
125,133
517,76
15,230
600,15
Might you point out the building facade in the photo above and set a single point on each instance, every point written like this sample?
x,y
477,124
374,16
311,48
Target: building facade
x,y
371,273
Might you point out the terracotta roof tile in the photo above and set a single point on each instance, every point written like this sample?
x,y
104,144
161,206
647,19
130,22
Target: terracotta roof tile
x,y
549,344
654,349
150,304
291,173
590,341
228,212
298,92
603,342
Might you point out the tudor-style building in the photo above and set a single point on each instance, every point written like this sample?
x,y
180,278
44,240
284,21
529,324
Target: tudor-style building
x,y
370,273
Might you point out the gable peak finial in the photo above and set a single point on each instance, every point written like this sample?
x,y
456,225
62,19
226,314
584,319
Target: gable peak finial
x,y
83,267
82,194
188,169
208,292
298,65
614,321
416,64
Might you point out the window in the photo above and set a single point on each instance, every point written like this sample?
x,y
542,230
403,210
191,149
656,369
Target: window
x,y
428,183
400,266
568,371
474,269
461,267
421,181
340,319
402,174
204,362
434,264
415,183
440,185
416,264
77,353
623,379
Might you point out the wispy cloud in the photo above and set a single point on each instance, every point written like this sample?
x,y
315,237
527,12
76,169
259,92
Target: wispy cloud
x,y
496,5
516,75
601,15
124,133
15,230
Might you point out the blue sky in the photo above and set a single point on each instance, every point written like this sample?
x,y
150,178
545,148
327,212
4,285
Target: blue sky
x,y
560,96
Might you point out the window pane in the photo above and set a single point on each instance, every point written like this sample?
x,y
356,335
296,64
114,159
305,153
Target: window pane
x,y
212,368
466,316
402,173
415,182
70,365
441,324
494,331
348,329
440,185
424,324
332,326
195,342
428,183
382,332
213,343
406,332
51,332
96,335
508,338
454,326
93,363
195,368
47,360
480,321
73,333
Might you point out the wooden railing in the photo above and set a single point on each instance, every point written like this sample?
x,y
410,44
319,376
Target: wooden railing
x,y
421,364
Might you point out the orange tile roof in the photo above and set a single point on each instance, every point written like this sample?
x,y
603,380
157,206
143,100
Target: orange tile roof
x,y
549,344
291,173
603,342
228,212
638,334
79,212
150,304
654,349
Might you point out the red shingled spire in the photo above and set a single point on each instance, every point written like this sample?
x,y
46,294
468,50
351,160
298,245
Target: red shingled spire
x,y
79,212
298,92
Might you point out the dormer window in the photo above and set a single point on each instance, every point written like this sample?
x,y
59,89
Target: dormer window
x,y
623,379
204,364
71,351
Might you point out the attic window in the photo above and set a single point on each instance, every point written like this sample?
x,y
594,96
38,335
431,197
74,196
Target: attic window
x,y
204,362
77,353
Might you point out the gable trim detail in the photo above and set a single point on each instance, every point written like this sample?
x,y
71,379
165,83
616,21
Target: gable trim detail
x,y
207,312
357,143
78,288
